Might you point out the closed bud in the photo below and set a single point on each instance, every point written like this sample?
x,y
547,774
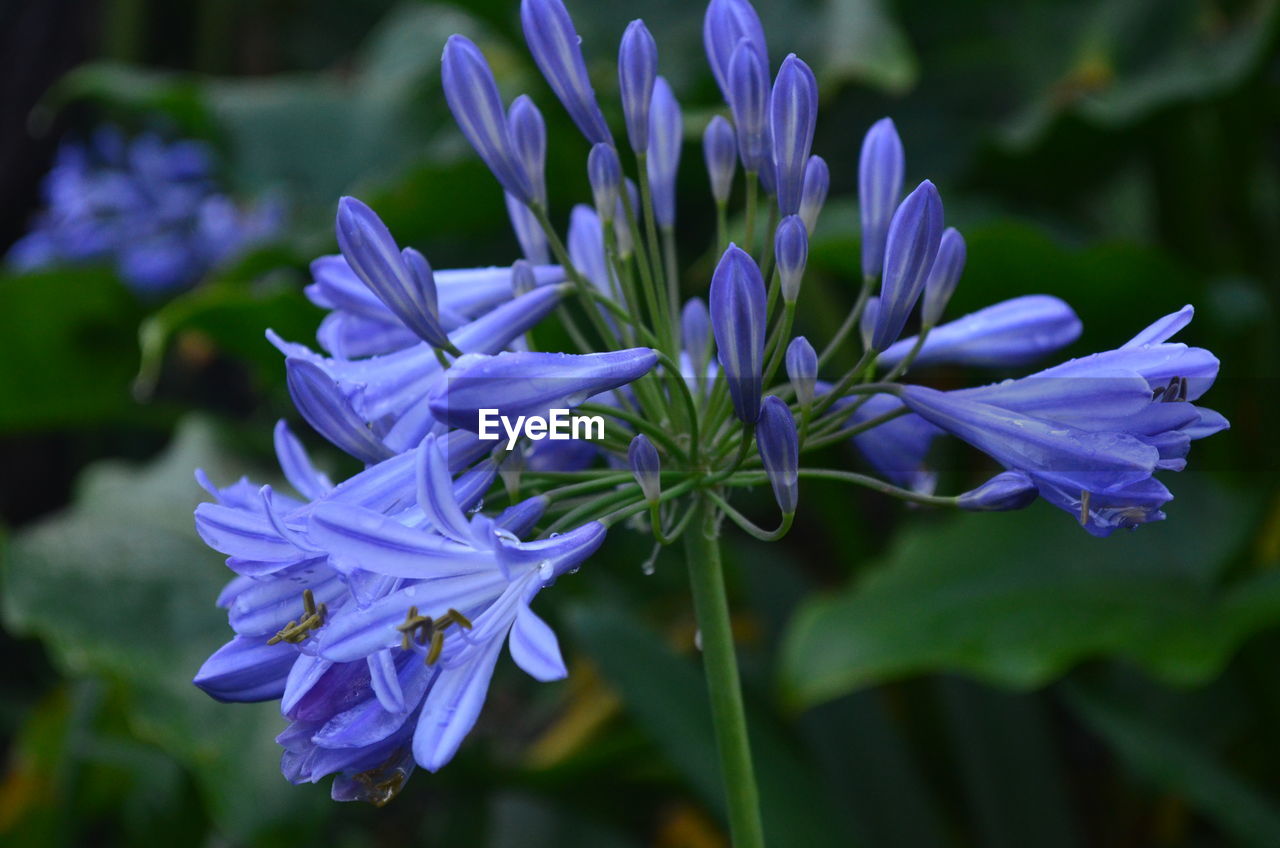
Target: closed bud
x,y
528,133
728,22
793,112
817,181
912,245
666,135
867,324
473,98
943,276
779,447
621,227
605,174
749,102
557,51
529,233
328,410
646,466
791,251
720,148
880,170
695,333
738,322
1006,491
802,369
523,280
637,69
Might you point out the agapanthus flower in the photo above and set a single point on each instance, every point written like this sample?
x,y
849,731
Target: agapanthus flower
x,y
376,608
150,208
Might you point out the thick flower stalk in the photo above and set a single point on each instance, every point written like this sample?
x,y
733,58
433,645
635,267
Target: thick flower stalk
x,y
377,608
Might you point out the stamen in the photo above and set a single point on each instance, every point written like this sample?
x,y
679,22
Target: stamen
x,y
437,645
312,619
1084,507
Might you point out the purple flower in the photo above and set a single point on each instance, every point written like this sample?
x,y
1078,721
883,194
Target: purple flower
x,y
880,170
529,233
793,111
802,369
748,96
726,23
720,150
473,98
780,452
695,334
738,322
1006,491
912,245
557,51
524,384
943,276
817,181
791,251
1012,332
898,448
637,69
646,466
604,172
528,134
666,134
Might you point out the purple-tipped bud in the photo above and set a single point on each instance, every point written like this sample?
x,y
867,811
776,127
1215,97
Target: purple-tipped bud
x,y
780,452
867,324
802,368
943,276
327,409
523,279
1006,491
914,235
749,101
528,132
529,233
666,134
880,170
738,321
726,23
605,174
793,112
621,229
637,69
817,181
403,282
476,105
720,148
557,50
791,251
695,333
646,466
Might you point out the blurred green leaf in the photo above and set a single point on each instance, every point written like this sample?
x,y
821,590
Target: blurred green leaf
x,y
1176,763
863,44
66,339
667,696
120,585
1019,598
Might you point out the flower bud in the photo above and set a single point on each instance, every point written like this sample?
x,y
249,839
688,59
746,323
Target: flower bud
x,y
867,324
666,134
528,132
912,245
749,101
322,403
557,51
793,111
646,466
523,280
780,452
621,227
943,276
473,98
738,321
817,181
637,68
720,149
695,333
880,170
1007,490
728,22
791,251
605,174
802,368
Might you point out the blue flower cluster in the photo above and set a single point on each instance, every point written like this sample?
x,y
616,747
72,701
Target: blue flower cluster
x,y
149,207
376,609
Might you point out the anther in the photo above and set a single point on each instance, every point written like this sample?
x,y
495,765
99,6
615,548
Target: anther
x,y
1084,507
312,619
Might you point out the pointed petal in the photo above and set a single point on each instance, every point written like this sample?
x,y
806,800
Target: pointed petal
x,y
386,685
452,707
534,647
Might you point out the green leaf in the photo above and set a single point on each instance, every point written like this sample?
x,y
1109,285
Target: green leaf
x,y
121,586
1019,598
863,44
66,337
667,697
1174,762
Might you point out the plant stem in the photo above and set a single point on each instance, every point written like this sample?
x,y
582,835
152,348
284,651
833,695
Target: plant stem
x,y
711,605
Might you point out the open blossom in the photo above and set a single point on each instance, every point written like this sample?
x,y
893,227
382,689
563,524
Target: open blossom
x,y
376,608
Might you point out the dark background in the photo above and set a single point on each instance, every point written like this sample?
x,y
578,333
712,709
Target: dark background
x,y
913,678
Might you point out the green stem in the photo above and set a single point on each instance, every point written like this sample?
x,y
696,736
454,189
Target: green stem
x,y
728,716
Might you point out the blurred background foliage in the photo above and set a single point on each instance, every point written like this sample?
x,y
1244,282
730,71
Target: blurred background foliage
x,y
913,678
